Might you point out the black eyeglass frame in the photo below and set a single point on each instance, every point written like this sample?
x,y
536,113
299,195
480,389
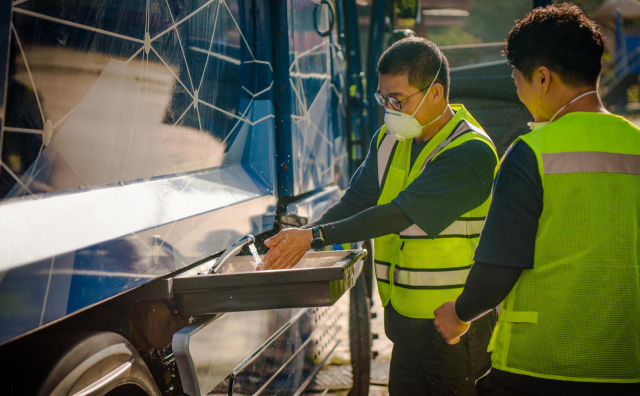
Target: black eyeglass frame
x,y
382,100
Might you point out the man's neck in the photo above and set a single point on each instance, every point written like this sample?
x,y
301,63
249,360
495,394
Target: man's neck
x,y
590,104
432,130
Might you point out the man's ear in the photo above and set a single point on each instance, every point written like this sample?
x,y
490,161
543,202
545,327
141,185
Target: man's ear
x,y
543,78
438,92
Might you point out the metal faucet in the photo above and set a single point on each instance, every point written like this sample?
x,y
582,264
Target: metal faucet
x,y
231,252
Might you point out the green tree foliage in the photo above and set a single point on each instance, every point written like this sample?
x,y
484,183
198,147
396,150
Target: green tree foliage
x,y
405,8
489,21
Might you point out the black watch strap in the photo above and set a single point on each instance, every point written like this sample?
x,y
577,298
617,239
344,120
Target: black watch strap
x,y
317,242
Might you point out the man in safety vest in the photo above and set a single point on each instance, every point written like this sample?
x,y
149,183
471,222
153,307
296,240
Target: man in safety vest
x,y
423,193
561,245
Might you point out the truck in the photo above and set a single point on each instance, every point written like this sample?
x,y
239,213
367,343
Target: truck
x,y
144,144
150,147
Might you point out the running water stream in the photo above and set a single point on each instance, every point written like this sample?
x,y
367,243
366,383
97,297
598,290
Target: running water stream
x,y
252,248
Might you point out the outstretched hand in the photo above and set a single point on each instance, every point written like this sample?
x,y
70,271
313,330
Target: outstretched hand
x,y
286,249
450,327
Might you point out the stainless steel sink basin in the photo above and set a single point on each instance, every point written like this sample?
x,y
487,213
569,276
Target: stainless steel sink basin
x,y
309,260
319,279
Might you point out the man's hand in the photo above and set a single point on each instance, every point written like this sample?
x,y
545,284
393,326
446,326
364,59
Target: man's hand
x,y
448,324
287,248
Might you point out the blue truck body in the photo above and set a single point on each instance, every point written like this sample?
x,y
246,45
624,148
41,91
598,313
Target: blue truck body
x,y
140,138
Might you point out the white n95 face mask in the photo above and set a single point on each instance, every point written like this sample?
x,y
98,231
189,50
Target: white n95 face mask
x,y
403,126
537,125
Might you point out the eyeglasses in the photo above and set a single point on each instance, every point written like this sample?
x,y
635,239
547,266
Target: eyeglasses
x,y
394,102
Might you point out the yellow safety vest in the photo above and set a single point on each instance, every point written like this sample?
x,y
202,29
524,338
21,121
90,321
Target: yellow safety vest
x,y
415,271
576,315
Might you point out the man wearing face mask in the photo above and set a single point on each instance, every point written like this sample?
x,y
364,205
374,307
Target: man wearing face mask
x,y
422,192
560,248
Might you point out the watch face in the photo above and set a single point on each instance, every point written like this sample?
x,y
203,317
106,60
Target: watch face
x,y
317,244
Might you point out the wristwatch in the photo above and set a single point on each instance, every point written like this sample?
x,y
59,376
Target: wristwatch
x,y
317,242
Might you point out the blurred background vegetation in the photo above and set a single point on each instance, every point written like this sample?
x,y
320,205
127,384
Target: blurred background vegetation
x,y
483,21
458,26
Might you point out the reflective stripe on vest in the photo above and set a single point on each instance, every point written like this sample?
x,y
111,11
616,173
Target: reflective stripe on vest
x,y
412,278
462,228
382,270
590,162
384,155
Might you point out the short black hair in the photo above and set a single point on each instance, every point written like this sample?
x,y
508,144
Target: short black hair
x,y
561,38
420,59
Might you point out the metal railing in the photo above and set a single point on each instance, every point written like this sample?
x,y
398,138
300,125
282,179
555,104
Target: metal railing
x,y
466,46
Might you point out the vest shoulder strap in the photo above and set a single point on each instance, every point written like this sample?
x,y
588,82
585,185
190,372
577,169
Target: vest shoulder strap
x,y
385,149
461,128
381,135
